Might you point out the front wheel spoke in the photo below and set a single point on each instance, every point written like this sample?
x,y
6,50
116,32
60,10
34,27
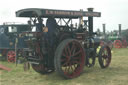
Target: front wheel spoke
x,y
104,60
107,60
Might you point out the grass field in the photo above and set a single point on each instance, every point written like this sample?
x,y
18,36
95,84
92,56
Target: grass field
x,y
116,74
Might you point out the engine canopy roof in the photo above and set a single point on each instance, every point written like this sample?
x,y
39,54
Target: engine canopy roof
x,y
38,12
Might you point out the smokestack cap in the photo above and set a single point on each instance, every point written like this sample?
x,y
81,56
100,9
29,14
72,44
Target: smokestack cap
x,y
90,9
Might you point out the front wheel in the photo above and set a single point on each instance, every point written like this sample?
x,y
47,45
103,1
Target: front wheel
x,y
69,58
104,56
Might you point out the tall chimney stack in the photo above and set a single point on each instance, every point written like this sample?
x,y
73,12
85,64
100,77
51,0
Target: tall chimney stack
x,y
104,30
119,29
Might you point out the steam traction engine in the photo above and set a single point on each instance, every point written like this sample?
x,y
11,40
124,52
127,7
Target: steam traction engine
x,y
60,46
10,42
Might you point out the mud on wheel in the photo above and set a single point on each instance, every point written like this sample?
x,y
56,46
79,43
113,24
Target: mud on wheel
x,y
104,56
69,58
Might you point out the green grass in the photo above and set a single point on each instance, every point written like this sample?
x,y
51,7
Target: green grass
x,y
116,74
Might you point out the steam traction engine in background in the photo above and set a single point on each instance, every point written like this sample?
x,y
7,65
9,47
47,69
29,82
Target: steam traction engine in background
x,y
116,39
119,40
61,46
10,41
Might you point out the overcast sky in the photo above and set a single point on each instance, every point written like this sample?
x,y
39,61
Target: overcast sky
x,y
113,12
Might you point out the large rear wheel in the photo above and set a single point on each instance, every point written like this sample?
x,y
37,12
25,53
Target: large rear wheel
x,y
69,58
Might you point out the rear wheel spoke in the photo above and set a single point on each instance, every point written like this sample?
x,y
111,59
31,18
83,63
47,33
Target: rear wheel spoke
x,y
78,52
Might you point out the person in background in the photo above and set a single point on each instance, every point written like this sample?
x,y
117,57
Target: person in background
x,y
40,24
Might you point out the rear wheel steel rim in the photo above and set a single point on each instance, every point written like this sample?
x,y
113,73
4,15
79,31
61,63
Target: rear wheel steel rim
x,y
72,59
